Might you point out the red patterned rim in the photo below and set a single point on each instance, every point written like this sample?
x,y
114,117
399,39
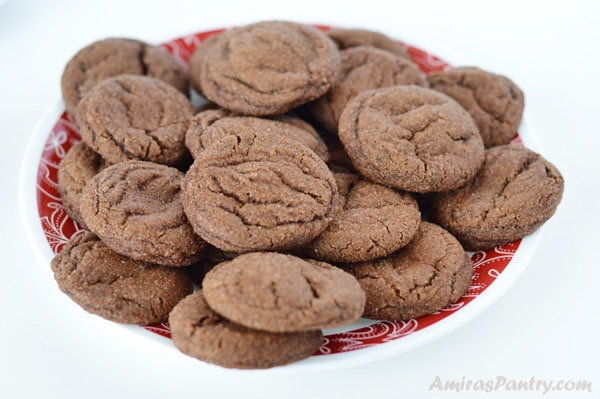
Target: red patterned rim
x,y
58,228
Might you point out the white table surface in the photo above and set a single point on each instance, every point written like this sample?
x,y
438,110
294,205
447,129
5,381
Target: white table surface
x,y
544,327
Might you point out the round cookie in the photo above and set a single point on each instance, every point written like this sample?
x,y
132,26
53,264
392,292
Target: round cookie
x,y
255,192
265,68
201,333
136,117
283,293
79,165
494,101
363,68
411,138
431,272
135,208
514,193
209,126
376,220
347,38
115,287
116,56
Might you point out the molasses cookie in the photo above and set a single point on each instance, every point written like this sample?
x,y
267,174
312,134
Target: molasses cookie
x,y
209,126
265,68
363,68
199,332
347,38
376,220
79,165
494,101
253,192
136,117
116,287
135,208
411,138
116,56
514,193
282,293
431,272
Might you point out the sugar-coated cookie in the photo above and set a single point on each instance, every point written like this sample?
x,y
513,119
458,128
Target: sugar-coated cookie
x,y
136,117
259,192
375,221
199,332
283,293
135,208
265,68
116,287
116,56
494,101
514,193
431,272
411,138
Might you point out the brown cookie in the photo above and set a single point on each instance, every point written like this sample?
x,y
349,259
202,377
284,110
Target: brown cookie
x,y
115,287
376,220
265,68
431,272
209,126
363,68
136,117
514,193
494,101
253,192
283,293
79,165
116,56
347,38
199,332
135,208
411,138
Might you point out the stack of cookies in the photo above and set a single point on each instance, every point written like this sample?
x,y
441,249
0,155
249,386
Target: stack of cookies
x,y
324,179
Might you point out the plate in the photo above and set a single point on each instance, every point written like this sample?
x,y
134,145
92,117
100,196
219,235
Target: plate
x,y
49,228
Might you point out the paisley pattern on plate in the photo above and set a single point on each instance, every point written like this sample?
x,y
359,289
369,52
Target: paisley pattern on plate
x,y
58,228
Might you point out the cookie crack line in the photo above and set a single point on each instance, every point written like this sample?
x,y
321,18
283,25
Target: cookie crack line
x,y
524,167
254,88
236,213
313,290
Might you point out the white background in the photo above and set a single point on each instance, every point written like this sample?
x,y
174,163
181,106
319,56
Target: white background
x,y
546,326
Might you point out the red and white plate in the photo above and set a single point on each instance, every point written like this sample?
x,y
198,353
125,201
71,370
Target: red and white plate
x,y
49,228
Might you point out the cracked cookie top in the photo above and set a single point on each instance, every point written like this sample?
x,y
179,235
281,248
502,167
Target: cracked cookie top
x,y
494,101
210,125
251,192
203,334
265,68
116,287
428,274
363,68
282,293
135,208
411,138
375,221
115,56
514,193
136,117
